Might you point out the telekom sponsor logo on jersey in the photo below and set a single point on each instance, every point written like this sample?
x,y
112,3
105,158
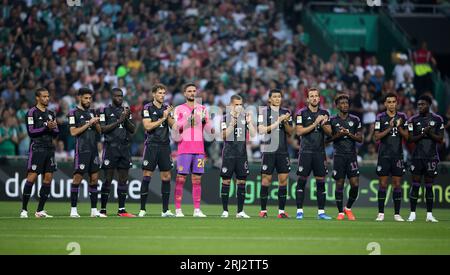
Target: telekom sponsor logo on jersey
x,y
203,123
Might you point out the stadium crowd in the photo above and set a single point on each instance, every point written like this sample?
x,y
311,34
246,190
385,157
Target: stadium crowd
x,y
225,47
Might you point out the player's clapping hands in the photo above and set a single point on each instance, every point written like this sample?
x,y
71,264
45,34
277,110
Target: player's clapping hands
x,y
321,119
167,112
94,120
51,124
343,131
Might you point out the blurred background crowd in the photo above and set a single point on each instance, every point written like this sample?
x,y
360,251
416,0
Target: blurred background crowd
x,y
226,47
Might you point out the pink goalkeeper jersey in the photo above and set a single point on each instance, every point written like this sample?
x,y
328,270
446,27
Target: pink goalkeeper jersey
x,y
191,141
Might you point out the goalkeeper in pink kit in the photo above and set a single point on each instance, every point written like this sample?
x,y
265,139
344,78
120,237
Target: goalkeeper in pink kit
x,y
191,120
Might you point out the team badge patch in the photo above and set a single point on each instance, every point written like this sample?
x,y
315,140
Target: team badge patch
x,y
33,167
350,123
300,168
106,162
377,125
378,168
224,170
413,167
334,172
145,162
82,166
180,168
264,167
432,123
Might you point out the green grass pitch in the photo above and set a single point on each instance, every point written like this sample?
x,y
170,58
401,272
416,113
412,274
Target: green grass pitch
x,y
213,235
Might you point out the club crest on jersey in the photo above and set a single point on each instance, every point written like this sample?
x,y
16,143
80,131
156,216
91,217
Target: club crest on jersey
x,y
300,168
264,167
180,168
350,123
145,162
106,162
82,166
224,170
50,117
334,172
33,167
378,168
432,123
413,167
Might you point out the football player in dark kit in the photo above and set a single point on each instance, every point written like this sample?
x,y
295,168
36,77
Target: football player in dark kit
x,y
237,126
84,126
42,129
390,130
275,124
346,131
426,131
116,126
157,118
312,126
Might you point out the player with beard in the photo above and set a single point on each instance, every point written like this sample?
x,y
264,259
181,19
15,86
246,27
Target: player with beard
x,y
157,118
84,126
42,129
312,126
117,126
191,119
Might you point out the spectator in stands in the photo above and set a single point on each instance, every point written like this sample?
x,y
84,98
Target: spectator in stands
x,y
8,135
401,69
424,62
373,65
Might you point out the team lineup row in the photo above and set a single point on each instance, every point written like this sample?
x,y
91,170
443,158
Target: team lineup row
x,y
191,119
